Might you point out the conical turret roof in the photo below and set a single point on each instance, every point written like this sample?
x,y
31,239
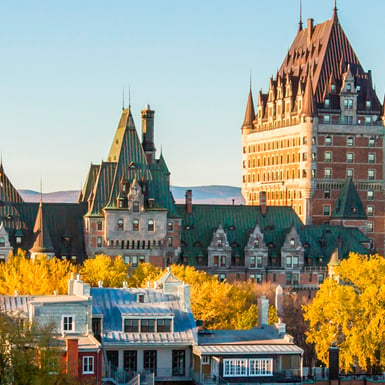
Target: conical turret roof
x,y
250,113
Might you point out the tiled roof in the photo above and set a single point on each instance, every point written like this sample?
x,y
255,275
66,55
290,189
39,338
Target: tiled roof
x,y
349,204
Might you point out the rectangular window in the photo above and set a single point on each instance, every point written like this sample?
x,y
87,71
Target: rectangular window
x,y
288,278
205,360
289,262
349,141
349,172
295,279
170,226
295,261
372,142
223,260
326,210
235,368
371,174
326,118
252,261
259,261
328,156
68,323
131,325
368,119
97,327
178,362
370,211
130,360
163,325
149,360
169,241
328,173
147,326
88,365
371,157
349,157
320,278
304,156
326,194
370,195
261,367
258,278
100,241
370,227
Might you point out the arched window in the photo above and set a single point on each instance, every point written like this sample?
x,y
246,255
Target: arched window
x,y
150,225
120,224
135,225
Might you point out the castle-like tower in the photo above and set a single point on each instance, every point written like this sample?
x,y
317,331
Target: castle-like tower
x,y
320,123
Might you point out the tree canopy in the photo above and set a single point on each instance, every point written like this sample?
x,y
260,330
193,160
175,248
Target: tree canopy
x,y
349,310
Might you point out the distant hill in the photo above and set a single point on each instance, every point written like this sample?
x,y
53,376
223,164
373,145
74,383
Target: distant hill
x,y
200,194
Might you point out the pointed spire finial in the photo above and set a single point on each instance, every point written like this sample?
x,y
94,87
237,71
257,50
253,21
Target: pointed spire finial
x,y
300,25
41,191
129,96
123,100
335,9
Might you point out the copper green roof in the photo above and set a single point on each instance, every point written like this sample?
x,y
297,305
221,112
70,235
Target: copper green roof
x,y
7,192
90,183
349,204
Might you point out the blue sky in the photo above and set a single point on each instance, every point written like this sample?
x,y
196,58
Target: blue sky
x,y
64,65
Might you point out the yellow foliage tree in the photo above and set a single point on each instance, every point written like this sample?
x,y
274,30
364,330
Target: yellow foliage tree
x,y
142,274
351,313
111,271
36,277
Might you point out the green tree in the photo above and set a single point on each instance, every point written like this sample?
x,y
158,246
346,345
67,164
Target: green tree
x,y
29,354
350,311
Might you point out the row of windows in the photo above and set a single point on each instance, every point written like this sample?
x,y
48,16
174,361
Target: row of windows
x,y
275,145
135,223
347,119
130,361
277,175
136,244
247,367
349,173
147,325
349,157
349,141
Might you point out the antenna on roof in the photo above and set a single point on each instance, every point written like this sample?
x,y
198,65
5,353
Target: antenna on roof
x,y
41,191
123,99
300,25
250,78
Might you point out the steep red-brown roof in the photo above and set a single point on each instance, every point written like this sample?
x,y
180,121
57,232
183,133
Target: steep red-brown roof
x,y
250,113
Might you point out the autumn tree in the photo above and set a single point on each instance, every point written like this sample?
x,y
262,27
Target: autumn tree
x,y
40,276
111,271
29,354
349,309
142,274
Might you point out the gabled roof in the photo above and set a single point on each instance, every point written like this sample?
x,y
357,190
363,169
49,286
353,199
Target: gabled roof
x,y
90,183
348,204
309,106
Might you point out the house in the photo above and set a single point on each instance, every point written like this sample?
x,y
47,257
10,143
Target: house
x,y
70,316
265,354
146,331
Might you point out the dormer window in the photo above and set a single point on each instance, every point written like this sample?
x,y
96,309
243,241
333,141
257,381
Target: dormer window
x,y
368,104
140,298
348,87
132,166
219,243
327,103
19,240
292,242
256,243
333,88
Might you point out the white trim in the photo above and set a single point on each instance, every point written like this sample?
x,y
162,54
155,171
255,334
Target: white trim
x,y
72,323
90,364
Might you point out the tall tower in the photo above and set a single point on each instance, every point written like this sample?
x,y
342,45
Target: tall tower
x,y
319,123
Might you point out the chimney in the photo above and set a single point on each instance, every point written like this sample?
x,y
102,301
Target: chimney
x,y
279,300
148,133
333,363
263,311
262,202
188,201
310,27
72,357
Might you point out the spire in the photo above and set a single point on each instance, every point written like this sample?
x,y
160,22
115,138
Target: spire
x,y
123,100
250,113
300,25
335,9
309,106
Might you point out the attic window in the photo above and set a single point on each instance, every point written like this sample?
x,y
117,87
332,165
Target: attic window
x,y
132,166
333,88
354,210
348,87
292,242
232,227
234,244
327,103
188,227
18,240
368,104
9,217
256,243
358,88
140,298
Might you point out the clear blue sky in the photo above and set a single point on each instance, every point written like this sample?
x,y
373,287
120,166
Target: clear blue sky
x,y
64,65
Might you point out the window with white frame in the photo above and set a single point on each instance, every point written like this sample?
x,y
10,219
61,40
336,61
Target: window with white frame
x,y
371,157
88,365
289,262
328,156
370,211
68,324
371,174
206,360
261,367
235,368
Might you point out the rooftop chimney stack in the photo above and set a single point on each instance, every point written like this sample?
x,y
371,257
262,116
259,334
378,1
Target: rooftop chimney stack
x,y
188,201
310,27
263,311
148,133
